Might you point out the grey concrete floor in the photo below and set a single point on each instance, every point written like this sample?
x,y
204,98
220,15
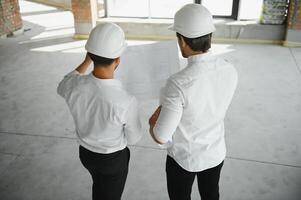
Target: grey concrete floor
x,y
39,153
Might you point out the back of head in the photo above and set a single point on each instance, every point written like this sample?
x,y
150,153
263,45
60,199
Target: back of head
x,y
106,42
199,44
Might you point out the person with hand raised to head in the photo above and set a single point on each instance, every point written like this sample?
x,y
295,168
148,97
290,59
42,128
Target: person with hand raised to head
x,y
105,115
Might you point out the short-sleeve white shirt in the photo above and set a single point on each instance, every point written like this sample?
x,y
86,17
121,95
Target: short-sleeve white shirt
x,y
194,105
105,115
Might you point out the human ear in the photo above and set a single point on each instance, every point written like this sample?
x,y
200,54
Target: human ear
x,y
182,41
117,61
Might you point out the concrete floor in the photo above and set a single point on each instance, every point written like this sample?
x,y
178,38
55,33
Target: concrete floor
x,y
39,153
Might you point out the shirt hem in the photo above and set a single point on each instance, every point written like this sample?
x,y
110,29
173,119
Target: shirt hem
x,y
216,163
98,150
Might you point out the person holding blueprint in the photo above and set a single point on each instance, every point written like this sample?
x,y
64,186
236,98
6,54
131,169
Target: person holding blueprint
x,y
190,119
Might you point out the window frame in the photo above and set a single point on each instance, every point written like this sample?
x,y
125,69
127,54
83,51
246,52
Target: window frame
x,y
234,14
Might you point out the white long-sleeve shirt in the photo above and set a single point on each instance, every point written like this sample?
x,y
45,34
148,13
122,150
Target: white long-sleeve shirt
x,y
194,106
105,115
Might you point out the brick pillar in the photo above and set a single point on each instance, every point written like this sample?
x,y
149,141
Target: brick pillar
x,y
85,15
293,33
10,17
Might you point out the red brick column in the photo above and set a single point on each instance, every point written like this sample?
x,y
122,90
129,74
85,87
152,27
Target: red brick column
x,y
293,34
10,17
85,15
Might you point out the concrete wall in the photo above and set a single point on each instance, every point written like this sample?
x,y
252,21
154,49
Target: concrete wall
x,y
65,4
10,17
226,30
293,34
85,18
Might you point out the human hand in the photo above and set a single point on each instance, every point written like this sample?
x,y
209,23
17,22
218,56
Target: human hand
x,y
152,122
84,65
153,119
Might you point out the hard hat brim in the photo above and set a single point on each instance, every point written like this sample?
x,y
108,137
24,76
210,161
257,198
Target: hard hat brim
x,y
189,35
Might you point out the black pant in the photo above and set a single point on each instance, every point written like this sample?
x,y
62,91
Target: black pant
x,y
108,171
179,181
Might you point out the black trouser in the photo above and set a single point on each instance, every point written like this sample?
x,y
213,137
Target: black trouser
x,y
179,181
108,171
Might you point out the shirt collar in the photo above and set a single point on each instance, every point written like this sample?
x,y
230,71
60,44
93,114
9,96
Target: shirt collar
x,y
199,57
110,82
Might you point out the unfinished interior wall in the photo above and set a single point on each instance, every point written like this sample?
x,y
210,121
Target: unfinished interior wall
x,y
293,34
85,15
273,12
65,4
278,30
10,17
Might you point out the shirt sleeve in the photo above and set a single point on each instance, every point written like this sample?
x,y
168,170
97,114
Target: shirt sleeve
x,y
132,128
68,82
171,112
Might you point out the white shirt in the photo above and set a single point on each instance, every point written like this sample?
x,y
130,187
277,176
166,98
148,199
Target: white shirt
x,y
105,115
194,105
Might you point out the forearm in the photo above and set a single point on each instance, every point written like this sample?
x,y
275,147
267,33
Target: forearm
x,y
152,122
166,125
151,131
82,68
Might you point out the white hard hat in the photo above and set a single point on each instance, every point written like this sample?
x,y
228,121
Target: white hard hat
x,y
192,21
106,40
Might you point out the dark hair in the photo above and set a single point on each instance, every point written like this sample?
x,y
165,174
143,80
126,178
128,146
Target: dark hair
x,y
100,61
202,43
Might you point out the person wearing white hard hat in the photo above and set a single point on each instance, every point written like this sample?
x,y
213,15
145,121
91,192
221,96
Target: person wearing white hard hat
x,y
105,115
190,118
